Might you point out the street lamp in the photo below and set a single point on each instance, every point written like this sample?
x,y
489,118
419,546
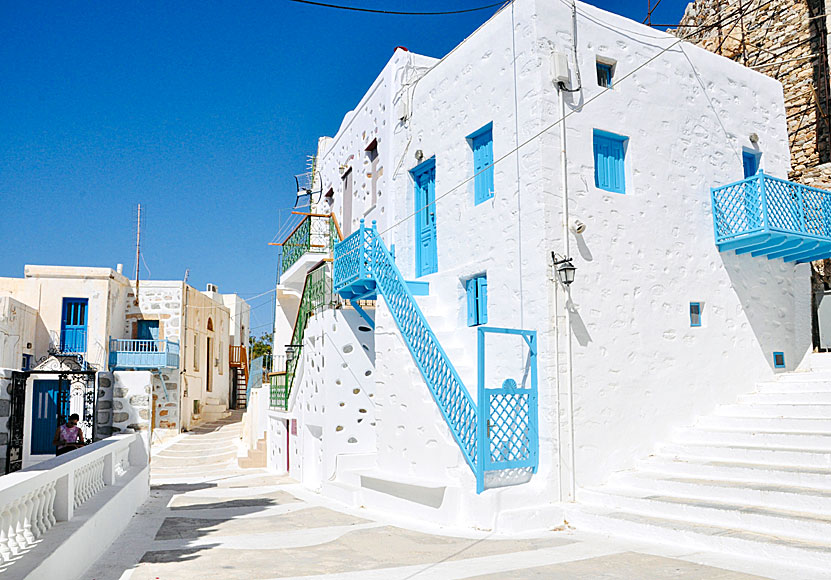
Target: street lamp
x,y
565,269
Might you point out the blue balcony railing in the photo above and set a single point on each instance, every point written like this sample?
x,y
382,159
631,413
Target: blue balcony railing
x,y
73,341
767,216
143,354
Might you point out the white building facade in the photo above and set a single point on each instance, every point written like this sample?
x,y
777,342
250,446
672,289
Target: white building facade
x,y
459,161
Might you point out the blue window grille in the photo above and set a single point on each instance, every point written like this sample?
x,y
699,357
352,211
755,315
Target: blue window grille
x,y
604,75
27,362
609,155
477,300
750,163
695,313
779,360
481,142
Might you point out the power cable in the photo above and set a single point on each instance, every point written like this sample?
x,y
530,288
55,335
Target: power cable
x,y
397,12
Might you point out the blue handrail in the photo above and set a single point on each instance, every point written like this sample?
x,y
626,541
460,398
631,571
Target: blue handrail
x,y
363,259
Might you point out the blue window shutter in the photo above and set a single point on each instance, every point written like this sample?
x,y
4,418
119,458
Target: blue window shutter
x,y
471,302
481,142
482,299
609,162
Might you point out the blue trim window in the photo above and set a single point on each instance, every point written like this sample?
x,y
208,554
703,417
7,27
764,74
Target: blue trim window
x,y
477,300
27,362
750,163
605,72
481,142
779,360
695,313
609,157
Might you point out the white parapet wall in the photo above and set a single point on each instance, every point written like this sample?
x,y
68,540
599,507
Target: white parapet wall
x,y
60,516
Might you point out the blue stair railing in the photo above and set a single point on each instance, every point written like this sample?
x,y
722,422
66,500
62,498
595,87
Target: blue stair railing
x,y
363,267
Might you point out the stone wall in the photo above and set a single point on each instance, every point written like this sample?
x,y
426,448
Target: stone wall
x,y
131,401
104,420
786,40
161,301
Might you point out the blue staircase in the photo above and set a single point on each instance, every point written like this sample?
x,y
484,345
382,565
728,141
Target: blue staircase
x,y
507,416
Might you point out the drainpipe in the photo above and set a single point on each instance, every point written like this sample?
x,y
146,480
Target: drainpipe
x,y
566,288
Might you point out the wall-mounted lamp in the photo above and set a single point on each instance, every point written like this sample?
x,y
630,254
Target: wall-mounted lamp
x,y
419,155
754,138
565,269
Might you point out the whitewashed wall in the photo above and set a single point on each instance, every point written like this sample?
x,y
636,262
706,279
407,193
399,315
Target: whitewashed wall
x,y
333,397
17,332
639,369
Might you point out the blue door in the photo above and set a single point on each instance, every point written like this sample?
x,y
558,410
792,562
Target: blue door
x,y
74,325
44,416
147,330
424,177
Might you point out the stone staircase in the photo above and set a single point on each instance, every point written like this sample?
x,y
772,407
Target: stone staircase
x,y
752,479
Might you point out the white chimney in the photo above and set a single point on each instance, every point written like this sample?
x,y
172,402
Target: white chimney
x,y
119,268
211,288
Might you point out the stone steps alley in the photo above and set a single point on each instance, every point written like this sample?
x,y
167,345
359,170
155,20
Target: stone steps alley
x,y
209,518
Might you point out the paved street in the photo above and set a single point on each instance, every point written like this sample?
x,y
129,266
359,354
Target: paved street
x,y
208,518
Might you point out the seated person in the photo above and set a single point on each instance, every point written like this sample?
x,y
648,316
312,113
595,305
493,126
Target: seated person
x,y
69,436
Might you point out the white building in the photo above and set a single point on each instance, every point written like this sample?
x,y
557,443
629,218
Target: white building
x,y
65,330
459,162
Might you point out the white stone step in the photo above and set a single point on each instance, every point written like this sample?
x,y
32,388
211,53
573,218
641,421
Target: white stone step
x,y
763,495
764,410
743,472
212,401
788,523
764,424
813,556
793,457
782,440
788,398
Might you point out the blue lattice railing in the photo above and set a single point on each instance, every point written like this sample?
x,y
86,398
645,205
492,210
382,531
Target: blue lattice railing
x,y
363,267
764,215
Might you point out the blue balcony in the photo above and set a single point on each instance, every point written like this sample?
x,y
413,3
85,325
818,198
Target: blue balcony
x,y
767,216
143,354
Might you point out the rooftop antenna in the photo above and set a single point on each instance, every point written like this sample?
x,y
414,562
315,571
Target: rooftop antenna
x,y
138,252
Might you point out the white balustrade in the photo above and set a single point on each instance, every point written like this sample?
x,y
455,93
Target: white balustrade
x,y
35,499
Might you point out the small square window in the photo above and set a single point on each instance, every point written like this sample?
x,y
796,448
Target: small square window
x,y
605,71
779,360
695,313
477,300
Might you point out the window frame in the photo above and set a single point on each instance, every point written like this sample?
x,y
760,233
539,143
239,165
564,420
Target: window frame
x,y
483,178
608,71
693,322
476,291
614,142
777,365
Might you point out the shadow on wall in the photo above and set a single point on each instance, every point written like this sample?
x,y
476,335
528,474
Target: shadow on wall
x,y
773,320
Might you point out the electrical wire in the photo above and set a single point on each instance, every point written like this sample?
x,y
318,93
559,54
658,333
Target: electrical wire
x,y
397,12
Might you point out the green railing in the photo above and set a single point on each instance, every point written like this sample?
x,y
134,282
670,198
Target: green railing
x,y
315,234
317,293
279,396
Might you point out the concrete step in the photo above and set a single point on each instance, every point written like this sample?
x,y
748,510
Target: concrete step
x,y
759,494
784,440
788,398
212,401
808,555
766,410
760,455
215,416
770,424
817,478
809,527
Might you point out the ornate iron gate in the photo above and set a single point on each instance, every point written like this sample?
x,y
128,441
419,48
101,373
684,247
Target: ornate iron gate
x,y
14,448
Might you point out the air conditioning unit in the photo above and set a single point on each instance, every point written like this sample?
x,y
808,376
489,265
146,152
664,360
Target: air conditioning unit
x,y
211,288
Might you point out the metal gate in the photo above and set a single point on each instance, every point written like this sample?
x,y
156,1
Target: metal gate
x,y
17,415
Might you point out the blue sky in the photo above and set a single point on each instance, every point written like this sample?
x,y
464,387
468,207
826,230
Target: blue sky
x,y
200,111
